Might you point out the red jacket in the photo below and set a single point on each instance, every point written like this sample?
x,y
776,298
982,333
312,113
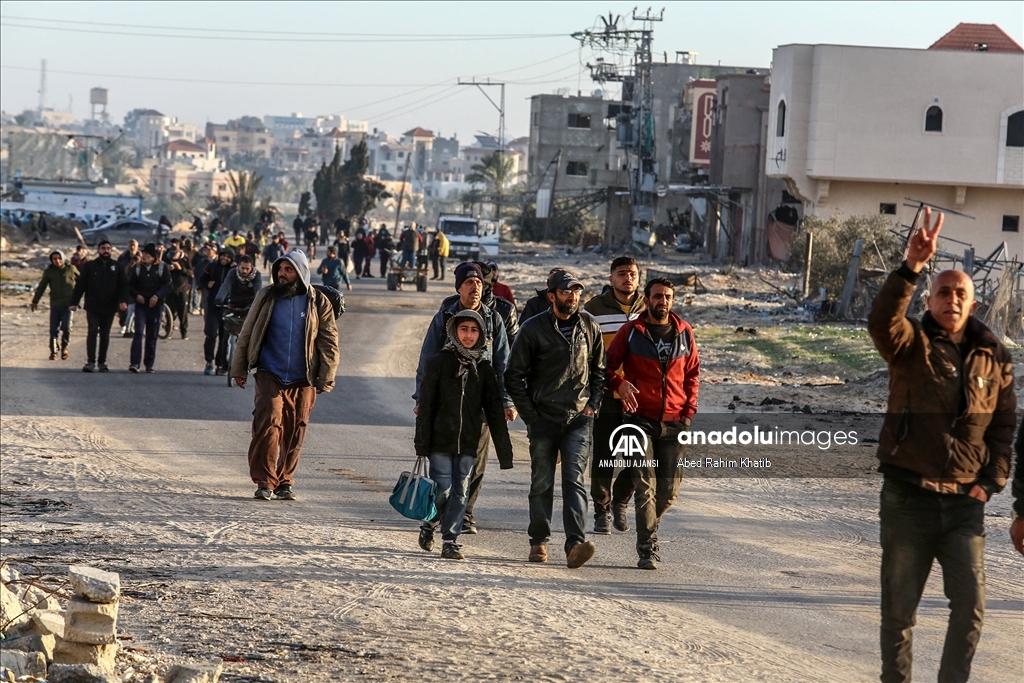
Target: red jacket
x,y
668,397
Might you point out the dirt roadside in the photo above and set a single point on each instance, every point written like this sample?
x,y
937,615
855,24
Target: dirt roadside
x,y
331,590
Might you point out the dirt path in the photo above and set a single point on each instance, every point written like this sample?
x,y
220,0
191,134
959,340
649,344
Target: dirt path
x,y
763,579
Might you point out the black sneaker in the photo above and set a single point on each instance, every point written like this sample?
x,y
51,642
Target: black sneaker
x,y
133,368
150,369
220,372
469,526
602,523
263,494
104,368
89,367
427,538
620,521
452,551
649,557
284,492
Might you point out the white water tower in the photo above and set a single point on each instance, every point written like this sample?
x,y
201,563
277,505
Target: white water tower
x,y
98,97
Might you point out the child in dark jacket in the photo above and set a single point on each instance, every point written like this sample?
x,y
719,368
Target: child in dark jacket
x,y
456,385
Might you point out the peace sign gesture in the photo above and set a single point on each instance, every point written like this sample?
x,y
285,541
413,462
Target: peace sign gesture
x,y
922,244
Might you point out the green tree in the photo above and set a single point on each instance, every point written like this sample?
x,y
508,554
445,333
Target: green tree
x,y
342,189
304,204
327,186
495,173
244,186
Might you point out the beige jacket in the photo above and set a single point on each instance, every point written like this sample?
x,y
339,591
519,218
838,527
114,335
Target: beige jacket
x,y
321,339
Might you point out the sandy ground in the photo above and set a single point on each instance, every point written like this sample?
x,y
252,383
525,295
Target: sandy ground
x,y
764,578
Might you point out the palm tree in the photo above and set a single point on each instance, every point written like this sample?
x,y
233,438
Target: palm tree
x,y
244,186
495,173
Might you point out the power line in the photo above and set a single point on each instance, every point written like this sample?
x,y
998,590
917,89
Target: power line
x,y
359,38
232,82
276,32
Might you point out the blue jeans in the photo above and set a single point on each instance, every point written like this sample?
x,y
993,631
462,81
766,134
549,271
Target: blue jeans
x,y
451,473
408,259
147,324
917,528
60,327
574,442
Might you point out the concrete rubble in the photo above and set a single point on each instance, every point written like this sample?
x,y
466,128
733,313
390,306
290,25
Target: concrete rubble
x,y
208,672
79,673
90,621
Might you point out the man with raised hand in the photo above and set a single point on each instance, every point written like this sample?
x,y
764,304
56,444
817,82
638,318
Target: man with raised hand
x,y
944,450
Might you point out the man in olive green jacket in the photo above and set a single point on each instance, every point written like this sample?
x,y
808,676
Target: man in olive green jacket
x,y
60,276
291,339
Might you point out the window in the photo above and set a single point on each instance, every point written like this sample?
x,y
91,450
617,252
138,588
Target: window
x,y
243,140
262,141
1011,223
225,138
579,121
933,120
780,120
536,118
401,155
1015,130
887,209
576,168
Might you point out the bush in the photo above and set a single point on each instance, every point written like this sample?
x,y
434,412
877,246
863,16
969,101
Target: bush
x,y
834,239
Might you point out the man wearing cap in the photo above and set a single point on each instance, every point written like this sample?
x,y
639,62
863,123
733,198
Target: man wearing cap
x,y
103,283
556,379
507,312
469,283
60,277
215,344
148,285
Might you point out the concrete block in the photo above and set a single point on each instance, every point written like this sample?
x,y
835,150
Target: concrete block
x,y
23,663
67,652
94,623
79,673
208,672
80,606
94,584
32,643
10,607
48,623
36,598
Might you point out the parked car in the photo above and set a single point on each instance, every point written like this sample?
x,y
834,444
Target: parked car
x,y
120,231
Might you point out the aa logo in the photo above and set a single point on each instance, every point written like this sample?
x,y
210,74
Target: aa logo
x,y
628,441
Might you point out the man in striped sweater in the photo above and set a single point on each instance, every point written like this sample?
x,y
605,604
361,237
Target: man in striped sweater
x,y
619,303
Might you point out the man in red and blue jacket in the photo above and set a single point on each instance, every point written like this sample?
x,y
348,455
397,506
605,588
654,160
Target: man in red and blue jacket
x,y
658,384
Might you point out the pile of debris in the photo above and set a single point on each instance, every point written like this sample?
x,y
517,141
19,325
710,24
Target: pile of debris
x,y
42,643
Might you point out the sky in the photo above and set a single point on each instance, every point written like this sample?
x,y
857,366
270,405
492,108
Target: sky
x,y
397,64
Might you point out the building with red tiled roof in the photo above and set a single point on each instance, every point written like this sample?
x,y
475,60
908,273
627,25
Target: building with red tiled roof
x,y
977,38
418,132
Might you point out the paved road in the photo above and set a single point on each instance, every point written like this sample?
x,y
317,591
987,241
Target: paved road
x,y
762,579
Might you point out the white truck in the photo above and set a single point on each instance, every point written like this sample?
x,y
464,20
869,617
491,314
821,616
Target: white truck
x,y
470,240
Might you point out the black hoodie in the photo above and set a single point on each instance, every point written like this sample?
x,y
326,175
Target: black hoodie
x,y
104,283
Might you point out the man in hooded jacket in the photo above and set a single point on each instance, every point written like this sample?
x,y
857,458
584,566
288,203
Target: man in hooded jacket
x,y
290,339
60,276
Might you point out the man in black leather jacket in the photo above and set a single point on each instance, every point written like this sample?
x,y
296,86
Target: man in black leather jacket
x,y
555,377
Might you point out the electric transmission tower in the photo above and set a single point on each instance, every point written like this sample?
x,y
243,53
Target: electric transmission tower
x,y
625,57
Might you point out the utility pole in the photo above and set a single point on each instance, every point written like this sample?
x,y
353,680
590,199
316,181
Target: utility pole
x,y
401,192
42,88
501,130
634,117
